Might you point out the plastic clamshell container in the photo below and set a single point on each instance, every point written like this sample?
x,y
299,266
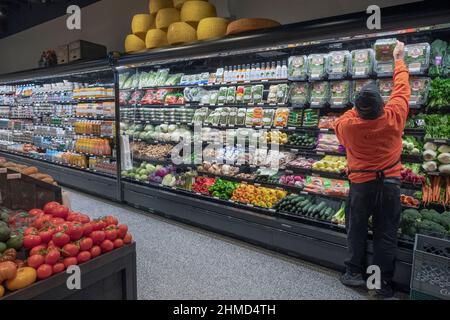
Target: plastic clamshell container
x,y
317,66
357,85
300,94
419,90
298,67
362,63
340,93
384,58
385,86
320,94
338,64
417,57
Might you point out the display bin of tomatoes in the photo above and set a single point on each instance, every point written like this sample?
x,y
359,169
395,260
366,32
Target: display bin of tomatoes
x,y
22,192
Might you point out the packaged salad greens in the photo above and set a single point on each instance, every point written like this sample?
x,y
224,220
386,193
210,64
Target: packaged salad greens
x,y
384,59
357,85
268,117
240,94
174,79
437,54
281,117
205,98
231,95
224,112
362,63
317,66
249,117
419,90
338,64
282,93
273,94
417,57
222,95
385,86
123,77
232,116
161,77
320,94
213,94
340,93
298,68
257,93
248,97
240,117
299,93
200,116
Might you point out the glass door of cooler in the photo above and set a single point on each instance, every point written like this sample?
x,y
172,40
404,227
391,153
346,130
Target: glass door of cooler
x,y
256,130
68,120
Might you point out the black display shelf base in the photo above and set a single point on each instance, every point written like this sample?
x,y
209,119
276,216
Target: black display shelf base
x,y
312,243
111,276
95,184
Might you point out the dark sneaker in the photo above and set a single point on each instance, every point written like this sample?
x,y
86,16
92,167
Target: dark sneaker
x,y
386,291
352,279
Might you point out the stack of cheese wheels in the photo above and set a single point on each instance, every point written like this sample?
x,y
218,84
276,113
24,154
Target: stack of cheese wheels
x,y
194,11
212,27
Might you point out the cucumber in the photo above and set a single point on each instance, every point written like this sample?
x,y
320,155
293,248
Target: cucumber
x,y
321,206
306,208
311,209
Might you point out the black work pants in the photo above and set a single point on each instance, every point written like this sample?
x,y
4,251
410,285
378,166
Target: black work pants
x,y
361,204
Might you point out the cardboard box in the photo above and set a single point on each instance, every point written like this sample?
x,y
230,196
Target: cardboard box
x,y
84,50
62,54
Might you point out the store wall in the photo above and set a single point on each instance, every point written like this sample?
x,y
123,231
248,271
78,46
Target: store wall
x,y
108,22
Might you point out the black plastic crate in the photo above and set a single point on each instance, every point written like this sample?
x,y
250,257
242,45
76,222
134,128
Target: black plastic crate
x,y
431,268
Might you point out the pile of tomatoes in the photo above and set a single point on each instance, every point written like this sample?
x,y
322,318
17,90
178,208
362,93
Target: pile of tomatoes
x,y
59,238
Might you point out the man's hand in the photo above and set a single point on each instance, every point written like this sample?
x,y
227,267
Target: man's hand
x,y
399,51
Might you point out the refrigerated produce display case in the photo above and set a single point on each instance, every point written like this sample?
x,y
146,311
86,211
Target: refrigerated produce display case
x,y
236,135
64,122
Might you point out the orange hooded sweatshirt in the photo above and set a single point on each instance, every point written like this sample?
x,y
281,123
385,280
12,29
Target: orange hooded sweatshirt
x,y
377,144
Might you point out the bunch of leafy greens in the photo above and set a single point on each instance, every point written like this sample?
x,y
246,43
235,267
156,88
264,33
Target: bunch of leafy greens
x,y
439,95
437,126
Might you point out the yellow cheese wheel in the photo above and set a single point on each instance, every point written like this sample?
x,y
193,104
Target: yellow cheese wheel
x,y
194,11
141,23
165,17
179,3
133,43
180,32
156,38
248,24
212,27
156,5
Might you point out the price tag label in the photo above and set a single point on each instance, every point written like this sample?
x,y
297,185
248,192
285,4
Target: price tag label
x,y
3,170
13,176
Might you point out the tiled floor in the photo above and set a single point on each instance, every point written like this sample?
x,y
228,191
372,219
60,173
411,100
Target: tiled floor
x,y
176,261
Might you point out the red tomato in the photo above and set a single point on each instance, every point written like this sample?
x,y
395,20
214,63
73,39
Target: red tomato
x,y
95,251
70,261
40,249
51,245
84,256
40,222
46,235
58,267
72,216
52,257
111,233
36,212
110,220
57,221
60,212
97,236
83,218
44,271
75,231
86,244
31,241
128,238
70,250
118,243
107,245
30,230
49,207
122,230
87,229
97,225
35,261
60,239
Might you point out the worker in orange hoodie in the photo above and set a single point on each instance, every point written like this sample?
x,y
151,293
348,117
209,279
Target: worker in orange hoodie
x,y
372,135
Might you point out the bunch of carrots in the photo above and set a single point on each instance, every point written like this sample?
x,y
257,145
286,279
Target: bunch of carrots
x,y
436,189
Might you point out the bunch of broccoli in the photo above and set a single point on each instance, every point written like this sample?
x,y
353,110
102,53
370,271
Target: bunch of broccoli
x,y
426,221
